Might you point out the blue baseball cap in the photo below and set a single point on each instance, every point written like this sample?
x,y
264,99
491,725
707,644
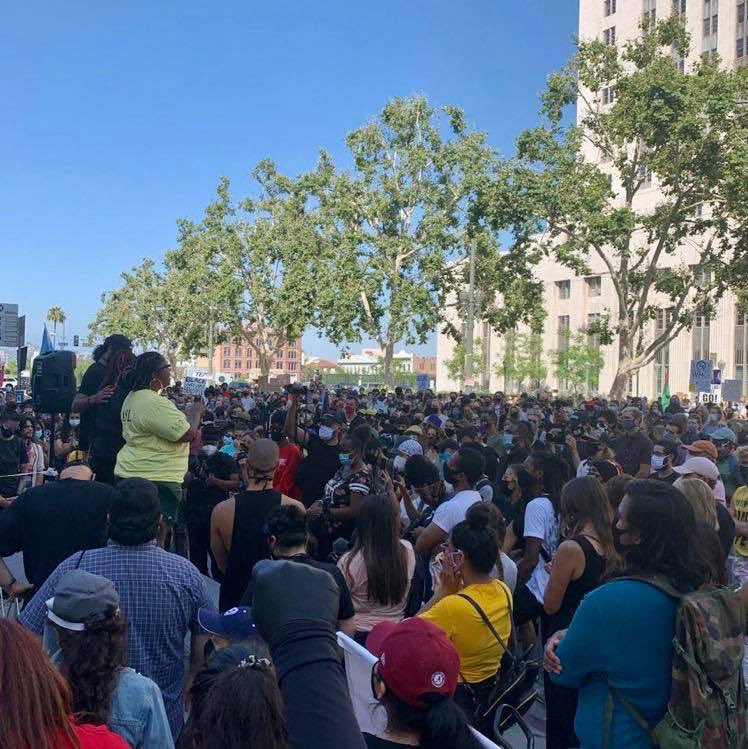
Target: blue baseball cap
x,y
724,434
235,624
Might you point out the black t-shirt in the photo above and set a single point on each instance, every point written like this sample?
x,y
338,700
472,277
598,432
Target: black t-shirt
x,y
632,450
90,385
345,607
201,499
107,440
12,457
317,468
51,522
671,479
726,530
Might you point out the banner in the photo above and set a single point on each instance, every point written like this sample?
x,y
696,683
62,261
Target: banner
x,y
732,390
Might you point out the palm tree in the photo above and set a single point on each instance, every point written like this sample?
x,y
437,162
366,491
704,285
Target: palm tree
x,y
56,315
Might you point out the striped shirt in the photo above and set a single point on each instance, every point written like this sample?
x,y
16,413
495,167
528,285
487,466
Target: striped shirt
x,y
160,594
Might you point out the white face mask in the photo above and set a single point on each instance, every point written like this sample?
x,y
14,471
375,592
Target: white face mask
x,y
208,450
658,462
714,417
399,463
75,423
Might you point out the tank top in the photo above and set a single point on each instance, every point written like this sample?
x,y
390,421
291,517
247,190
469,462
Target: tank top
x,y
248,543
594,566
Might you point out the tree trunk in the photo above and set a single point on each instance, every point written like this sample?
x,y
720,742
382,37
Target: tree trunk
x,y
264,360
388,374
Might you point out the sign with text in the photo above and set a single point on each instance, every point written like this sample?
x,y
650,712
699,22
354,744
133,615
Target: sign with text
x,y
194,385
713,395
701,376
8,324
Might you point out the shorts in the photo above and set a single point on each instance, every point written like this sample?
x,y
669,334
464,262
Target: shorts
x,y
169,496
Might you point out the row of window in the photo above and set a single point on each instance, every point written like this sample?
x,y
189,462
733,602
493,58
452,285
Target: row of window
x,y
238,365
594,286
291,353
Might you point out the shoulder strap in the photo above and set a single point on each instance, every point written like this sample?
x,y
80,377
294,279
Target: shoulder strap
x,y
632,711
80,559
487,621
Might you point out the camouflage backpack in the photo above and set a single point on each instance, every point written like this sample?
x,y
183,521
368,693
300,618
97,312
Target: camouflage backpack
x,y
707,708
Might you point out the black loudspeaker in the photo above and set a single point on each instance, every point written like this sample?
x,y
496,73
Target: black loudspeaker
x,y
53,382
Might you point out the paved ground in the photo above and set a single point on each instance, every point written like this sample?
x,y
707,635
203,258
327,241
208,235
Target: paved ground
x,y
515,738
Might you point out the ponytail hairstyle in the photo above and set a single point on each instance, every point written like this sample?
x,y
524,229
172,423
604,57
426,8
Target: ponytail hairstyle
x,y
476,538
555,475
442,724
140,375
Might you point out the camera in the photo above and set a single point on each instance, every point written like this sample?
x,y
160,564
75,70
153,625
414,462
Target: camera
x,y
296,388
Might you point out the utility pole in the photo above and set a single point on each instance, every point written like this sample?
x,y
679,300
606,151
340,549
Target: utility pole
x,y
471,301
210,349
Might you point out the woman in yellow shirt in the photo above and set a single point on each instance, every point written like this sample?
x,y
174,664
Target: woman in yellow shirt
x,y
466,565
156,433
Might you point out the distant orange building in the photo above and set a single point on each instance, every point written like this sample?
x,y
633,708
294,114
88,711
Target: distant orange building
x,y
237,360
424,365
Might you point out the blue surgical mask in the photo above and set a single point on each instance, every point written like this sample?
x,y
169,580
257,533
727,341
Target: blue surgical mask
x,y
38,434
326,433
507,439
345,459
228,440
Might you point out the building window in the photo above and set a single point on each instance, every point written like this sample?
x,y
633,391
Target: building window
x,y
609,35
609,7
710,27
564,289
679,7
227,350
238,351
292,366
279,365
662,357
237,364
249,364
700,336
594,286
741,44
226,364
291,353
563,331
650,13
645,176
609,94
741,344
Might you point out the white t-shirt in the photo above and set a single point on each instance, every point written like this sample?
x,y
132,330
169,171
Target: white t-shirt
x,y
248,403
451,512
510,572
541,522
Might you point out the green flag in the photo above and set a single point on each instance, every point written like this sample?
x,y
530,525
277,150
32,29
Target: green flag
x,y
665,397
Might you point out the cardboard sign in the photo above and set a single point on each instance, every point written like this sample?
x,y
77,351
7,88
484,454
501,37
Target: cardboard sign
x,y
701,376
194,385
711,396
732,390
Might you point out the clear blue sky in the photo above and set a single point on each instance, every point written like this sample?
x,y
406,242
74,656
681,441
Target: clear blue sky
x,y
118,118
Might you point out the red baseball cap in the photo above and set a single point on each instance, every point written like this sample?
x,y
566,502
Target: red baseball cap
x,y
416,658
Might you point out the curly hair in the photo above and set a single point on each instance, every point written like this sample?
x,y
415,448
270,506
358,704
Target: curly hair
x,y
91,662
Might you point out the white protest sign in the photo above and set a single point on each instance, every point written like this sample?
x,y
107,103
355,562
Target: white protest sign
x,y
194,385
713,395
732,390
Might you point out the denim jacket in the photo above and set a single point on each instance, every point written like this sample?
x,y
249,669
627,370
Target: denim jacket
x,y
137,713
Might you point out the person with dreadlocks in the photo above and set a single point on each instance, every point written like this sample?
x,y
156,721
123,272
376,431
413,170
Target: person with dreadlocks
x,y
157,434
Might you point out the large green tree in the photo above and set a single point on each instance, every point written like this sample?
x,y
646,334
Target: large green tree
x,y
523,364
588,179
395,228
150,308
578,362
253,264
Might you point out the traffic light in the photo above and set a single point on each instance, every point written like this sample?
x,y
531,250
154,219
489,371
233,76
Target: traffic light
x,y
76,341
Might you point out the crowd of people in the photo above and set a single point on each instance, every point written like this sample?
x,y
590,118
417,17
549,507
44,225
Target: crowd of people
x,y
448,534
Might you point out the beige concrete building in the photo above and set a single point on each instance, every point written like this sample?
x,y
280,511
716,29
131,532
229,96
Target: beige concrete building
x,y
571,302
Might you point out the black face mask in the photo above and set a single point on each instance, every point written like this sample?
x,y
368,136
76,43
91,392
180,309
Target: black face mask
x,y
450,474
6,432
617,533
450,432
506,489
374,459
276,435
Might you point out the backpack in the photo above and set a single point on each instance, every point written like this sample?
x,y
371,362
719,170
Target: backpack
x,y
708,708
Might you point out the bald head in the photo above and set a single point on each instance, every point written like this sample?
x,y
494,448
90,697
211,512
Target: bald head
x,y
81,472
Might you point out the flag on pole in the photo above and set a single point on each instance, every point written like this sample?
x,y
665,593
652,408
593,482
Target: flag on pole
x,y
46,346
665,397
